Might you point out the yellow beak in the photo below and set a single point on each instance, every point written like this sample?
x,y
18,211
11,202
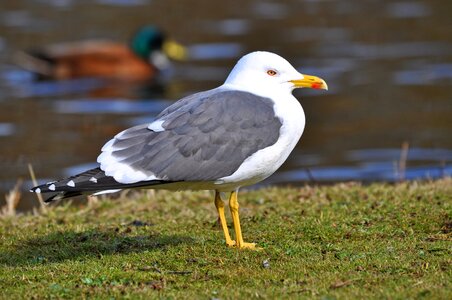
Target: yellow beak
x,y
309,81
175,50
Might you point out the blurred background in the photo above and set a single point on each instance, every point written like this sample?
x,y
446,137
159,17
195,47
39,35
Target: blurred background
x,y
386,117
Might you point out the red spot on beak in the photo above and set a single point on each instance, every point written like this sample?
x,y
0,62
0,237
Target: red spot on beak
x,y
316,85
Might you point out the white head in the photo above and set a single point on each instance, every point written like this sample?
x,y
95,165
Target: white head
x,y
265,72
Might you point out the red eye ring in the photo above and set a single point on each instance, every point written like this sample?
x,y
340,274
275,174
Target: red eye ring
x,y
272,72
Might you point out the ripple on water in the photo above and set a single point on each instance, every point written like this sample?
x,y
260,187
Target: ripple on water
x,y
407,9
54,88
384,51
414,154
123,2
431,74
109,106
228,27
7,129
361,173
270,10
303,34
215,51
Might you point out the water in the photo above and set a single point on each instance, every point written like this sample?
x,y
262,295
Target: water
x,y
388,65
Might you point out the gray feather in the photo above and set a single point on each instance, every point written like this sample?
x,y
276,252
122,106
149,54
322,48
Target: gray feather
x,y
207,136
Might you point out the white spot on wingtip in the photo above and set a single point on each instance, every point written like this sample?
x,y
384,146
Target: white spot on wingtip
x,y
93,179
71,183
52,187
38,191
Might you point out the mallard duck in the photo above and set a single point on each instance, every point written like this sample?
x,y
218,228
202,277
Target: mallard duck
x,y
148,53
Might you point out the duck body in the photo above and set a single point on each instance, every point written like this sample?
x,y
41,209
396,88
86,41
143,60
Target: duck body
x,y
88,59
148,54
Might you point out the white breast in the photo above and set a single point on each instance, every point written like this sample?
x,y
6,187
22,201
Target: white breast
x,y
266,161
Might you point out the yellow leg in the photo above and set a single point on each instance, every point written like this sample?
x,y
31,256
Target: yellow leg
x,y
234,206
220,208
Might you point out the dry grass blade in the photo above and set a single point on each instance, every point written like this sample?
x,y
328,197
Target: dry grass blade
x,y
339,284
35,183
12,200
403,160
92,201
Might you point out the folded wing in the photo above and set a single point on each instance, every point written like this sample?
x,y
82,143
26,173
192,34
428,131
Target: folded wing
x,y
203,137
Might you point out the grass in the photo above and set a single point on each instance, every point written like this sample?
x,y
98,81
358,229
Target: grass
x,y
345,241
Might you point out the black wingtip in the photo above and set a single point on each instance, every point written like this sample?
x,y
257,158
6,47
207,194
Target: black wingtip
x,y
88,182
49,197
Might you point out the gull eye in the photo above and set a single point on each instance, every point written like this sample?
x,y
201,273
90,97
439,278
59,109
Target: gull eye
x,y
272,73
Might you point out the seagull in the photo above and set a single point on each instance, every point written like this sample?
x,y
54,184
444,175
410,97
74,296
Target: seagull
x,y
222,139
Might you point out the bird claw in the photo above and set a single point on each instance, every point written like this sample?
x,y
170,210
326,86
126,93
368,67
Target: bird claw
x,y
241,246
230,243
250,246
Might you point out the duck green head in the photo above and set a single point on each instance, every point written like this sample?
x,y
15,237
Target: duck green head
x,y
151,39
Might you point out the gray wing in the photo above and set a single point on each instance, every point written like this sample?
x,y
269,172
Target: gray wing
x,y
204,137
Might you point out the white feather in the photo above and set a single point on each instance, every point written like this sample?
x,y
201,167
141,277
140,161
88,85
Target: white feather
x,y
108,145
156,126
106,192
121,172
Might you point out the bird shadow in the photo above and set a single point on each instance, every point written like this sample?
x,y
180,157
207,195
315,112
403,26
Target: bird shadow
x,y
70,245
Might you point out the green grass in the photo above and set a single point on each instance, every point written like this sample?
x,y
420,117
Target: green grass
x,y
345,241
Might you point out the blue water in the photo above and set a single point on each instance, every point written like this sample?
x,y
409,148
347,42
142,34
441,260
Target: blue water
x,y
388,65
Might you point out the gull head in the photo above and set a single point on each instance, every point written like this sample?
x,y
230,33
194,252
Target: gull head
x,y
262,72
